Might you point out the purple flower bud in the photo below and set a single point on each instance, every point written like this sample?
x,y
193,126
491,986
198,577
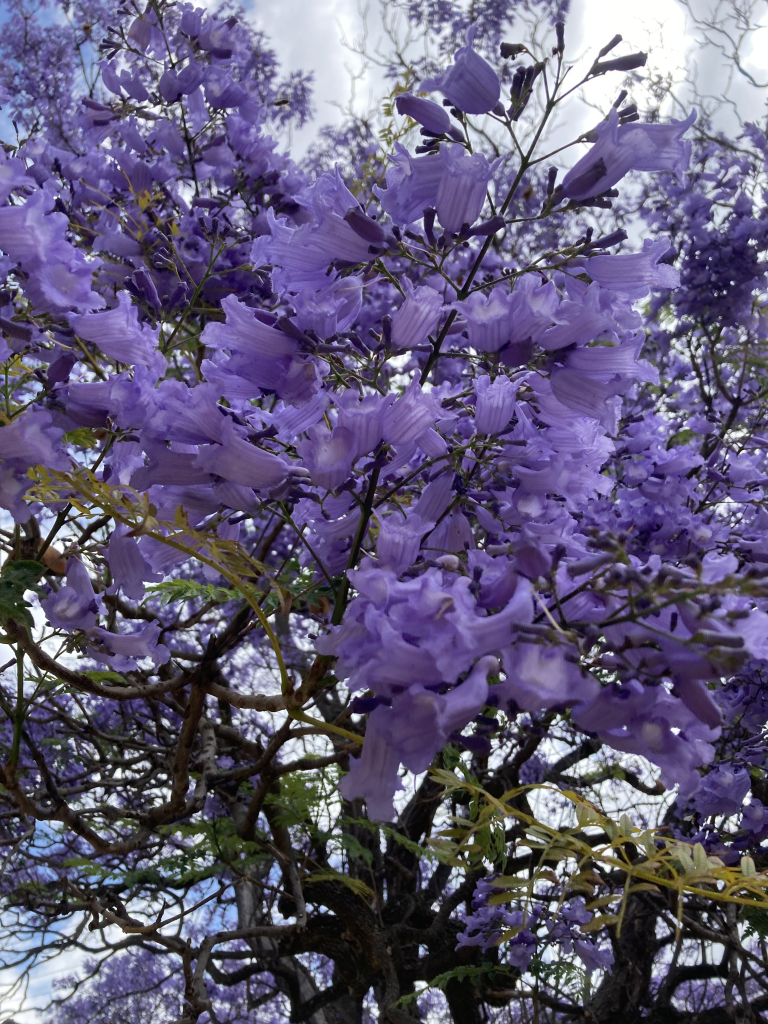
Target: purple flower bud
x,y
488,227
432,116
470,83
610,45
628,63
463,187
508,50
366,227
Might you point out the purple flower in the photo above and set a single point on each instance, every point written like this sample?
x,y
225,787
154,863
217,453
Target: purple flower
x,y
422,720
754,816
168,86
470,83
410,420
374,775
634,274
190,77
130,570
611,362
503,317
412,731
263,355
589,397
326,233
13,173
417,317
594,957
463,186
119,335
649,722
723,790
495,403
60,278
74,605
123,648
622,148
540,677
399,540
578,322
364,417
454,533
237,460
28,235
31,439
331,309
243,331
488,319
328,455
412,185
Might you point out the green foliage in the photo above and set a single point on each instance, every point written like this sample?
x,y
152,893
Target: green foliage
x,y
389,832
355,885
757,921
105,676
189,590
82,437
465,972
681,437
16,578
355,849
297,797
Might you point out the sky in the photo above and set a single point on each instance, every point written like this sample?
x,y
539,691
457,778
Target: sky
x,y
309,34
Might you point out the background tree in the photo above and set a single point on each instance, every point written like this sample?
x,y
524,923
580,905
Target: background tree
x,y
384,589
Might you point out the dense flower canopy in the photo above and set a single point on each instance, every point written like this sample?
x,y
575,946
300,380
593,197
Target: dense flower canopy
x,y
384,580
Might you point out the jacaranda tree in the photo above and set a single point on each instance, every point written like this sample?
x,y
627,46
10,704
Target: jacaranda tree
x,y
385,586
